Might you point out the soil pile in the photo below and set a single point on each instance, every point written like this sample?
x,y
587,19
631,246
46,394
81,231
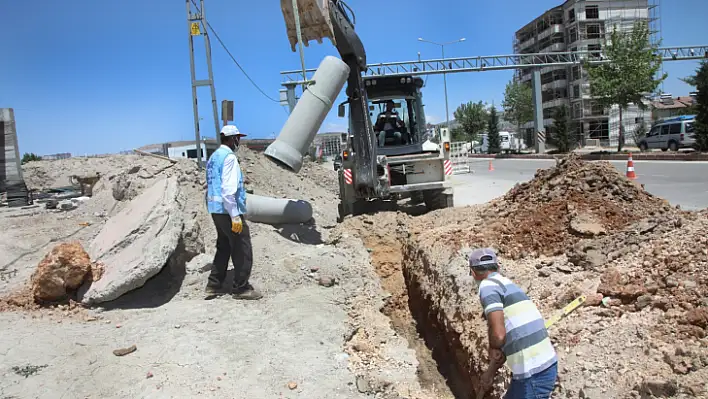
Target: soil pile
x,y
575,199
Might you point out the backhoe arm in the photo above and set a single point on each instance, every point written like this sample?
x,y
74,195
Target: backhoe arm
x,y
328,18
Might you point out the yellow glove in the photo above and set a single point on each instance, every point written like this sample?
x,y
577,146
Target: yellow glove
x,y
236,225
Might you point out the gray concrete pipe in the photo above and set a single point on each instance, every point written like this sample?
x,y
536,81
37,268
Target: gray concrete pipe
x,y
271,210
310,111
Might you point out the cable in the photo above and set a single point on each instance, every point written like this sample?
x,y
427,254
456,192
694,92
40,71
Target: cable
x,y
216,35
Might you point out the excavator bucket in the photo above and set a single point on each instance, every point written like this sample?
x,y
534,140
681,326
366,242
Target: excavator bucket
x,y
315,23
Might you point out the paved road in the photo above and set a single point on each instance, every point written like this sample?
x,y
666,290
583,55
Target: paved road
x,y
682,183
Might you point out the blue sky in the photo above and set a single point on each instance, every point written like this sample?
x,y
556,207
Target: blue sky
x,y
99,76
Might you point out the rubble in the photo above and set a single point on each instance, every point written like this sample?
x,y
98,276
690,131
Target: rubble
x,y
135,244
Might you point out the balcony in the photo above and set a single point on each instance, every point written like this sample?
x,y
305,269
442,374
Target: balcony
x,y
556,84
555,103
525,45
556,28
554,48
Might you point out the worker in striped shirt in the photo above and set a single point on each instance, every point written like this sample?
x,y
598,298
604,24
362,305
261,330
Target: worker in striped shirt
x,y
517,333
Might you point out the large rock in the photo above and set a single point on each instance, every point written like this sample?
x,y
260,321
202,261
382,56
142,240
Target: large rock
x,y
65,268
585,225
135,244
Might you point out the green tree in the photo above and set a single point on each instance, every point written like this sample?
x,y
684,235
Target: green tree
x,y
630,72
563,136
700,82
518,103
29,157
472,118
493,140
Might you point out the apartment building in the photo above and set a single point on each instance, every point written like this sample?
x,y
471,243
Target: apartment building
x,y
581,25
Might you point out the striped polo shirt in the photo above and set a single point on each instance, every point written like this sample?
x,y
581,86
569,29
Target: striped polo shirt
x,y
527,348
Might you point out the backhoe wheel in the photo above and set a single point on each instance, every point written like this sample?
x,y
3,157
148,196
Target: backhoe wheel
x,y
437,199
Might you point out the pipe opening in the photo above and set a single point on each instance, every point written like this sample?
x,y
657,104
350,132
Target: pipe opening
x,y
280,163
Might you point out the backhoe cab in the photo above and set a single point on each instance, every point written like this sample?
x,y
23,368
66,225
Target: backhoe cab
x,y
409,169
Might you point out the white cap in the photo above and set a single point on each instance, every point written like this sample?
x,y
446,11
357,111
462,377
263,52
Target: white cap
x,y
231,130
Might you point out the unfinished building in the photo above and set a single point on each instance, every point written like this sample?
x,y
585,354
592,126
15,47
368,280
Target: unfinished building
x,y
582,25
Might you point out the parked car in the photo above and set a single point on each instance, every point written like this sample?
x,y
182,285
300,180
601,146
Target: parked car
x,y
337,162
671,134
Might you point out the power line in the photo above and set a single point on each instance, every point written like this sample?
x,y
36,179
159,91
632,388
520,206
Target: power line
x,y
216,35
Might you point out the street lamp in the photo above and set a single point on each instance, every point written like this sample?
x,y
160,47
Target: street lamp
x,y
442,47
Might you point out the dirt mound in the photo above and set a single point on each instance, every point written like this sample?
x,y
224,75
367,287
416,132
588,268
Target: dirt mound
x,y
575,199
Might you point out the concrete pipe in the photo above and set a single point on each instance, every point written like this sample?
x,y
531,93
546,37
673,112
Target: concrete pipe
x,y
306,118
271,210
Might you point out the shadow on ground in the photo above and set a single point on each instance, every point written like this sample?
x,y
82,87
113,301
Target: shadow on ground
x,y
301,233
159,289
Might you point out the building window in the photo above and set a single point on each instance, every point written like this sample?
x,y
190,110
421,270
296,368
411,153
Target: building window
x,y
639,120
592,12
571,15
573,34
191,154
595,50
576,91
593,31
576,72
183,154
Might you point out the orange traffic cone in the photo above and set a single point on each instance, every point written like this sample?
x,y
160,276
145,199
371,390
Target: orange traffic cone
x,y
630,168
491,168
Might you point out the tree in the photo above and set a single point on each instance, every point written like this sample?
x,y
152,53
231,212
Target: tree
x,y
564,135
29,157
493,140
518,103
472,118
629,74
700,82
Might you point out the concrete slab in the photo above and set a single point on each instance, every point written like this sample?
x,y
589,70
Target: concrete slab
x,y
136,243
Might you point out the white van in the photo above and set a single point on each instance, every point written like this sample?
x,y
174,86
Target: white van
x,y
671,134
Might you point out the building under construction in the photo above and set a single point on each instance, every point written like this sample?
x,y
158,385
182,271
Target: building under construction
x,y
583,25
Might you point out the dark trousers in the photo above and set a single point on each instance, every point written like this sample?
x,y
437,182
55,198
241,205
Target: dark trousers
x,y
237,247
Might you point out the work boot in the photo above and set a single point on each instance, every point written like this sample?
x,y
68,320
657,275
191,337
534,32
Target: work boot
x,y
213,292
247,293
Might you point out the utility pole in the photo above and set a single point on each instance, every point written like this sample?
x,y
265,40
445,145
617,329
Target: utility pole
x,y
442,47
197,26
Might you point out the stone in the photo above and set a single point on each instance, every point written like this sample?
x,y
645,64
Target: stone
x,y
544,273
135,244
585,225
292,385
67,205
125,351
643,301
593,300
659,388
362,385
326,281
697,317
63,270
52,204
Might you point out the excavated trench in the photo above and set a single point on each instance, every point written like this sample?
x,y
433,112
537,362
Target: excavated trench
x,y
430,311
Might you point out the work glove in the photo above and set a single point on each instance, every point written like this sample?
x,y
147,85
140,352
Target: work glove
x,y
237,225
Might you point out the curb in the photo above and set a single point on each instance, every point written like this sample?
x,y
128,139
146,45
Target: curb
x,y
602,157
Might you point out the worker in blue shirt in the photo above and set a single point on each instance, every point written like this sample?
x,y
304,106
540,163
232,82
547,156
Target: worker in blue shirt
x,y
226,202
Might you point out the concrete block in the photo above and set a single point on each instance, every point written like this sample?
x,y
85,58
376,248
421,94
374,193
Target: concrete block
x,y
136,243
